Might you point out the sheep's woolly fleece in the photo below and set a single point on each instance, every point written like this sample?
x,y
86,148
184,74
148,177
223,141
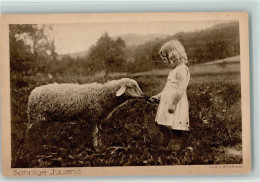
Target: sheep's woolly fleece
x,y
66,101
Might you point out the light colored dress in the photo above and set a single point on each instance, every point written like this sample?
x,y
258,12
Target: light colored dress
x,y
179,120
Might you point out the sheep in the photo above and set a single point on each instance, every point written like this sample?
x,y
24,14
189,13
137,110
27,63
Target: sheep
x,y
89,102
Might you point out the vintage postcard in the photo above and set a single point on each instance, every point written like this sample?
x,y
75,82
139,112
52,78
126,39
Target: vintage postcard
x,y
125,94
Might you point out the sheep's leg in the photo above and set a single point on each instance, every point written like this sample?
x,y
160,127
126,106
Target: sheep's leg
x,y
35,119
95,136
99,135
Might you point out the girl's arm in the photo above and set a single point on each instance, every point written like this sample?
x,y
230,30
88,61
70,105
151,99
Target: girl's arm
x,y
158,96
182,76
155,98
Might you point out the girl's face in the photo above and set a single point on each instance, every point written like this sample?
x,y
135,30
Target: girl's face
x,y
168,62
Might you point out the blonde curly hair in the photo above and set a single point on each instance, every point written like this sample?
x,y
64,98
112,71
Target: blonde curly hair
x,y
174,51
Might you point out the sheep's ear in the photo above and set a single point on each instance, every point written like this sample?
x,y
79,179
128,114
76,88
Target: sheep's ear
x,y
121,91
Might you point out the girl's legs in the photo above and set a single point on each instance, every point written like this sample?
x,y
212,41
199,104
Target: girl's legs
x,y
166,131
178,137
182,137
166,135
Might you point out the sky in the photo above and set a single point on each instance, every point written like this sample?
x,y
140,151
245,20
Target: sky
x,y
71,38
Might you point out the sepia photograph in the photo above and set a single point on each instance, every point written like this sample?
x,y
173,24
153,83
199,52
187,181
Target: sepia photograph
x,y
158,91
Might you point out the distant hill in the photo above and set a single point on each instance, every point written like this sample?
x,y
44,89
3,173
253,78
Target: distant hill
x,y
80,55
130,40
137,39
217,42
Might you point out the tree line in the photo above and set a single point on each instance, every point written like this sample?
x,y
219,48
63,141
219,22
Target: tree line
x,y
32,51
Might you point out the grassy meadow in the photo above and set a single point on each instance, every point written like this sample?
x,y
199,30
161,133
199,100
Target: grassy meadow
x,y
130,137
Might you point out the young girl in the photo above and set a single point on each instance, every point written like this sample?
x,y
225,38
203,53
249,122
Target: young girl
x,y
173,110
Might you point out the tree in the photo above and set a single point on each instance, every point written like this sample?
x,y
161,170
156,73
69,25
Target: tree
x,y
107,54
217,42
30,46
21,57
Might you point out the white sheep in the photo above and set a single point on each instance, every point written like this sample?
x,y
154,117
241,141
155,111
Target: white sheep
x,y
91,102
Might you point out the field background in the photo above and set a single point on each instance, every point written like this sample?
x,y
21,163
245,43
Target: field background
x,y
130,136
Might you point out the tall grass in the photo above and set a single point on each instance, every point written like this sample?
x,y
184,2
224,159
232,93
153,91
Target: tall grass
x,y
131,136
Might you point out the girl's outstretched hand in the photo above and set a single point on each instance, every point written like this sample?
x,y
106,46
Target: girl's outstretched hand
x,y
154,99
172,108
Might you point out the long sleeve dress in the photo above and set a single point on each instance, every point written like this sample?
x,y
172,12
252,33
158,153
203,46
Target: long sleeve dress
x,y
179,120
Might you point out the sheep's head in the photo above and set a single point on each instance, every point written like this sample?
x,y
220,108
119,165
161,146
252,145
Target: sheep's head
x,y
129,88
